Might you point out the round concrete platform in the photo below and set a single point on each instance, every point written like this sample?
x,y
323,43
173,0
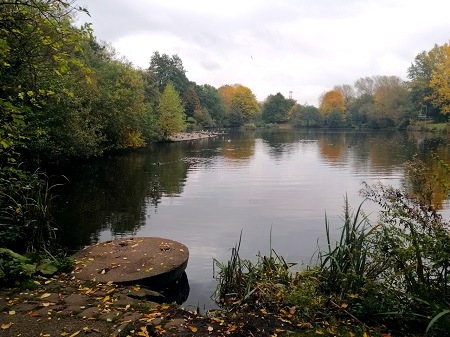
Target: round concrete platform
x,y
148,259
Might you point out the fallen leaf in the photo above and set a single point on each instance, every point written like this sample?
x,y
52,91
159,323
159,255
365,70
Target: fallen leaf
x,y
192,328
31,314
210,328
12,312
319,332
7,325
106,298
45,295
75,333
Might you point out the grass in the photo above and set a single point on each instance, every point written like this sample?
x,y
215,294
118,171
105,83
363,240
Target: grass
x,y
392,276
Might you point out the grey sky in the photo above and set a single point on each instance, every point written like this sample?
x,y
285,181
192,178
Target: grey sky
x,y
303,46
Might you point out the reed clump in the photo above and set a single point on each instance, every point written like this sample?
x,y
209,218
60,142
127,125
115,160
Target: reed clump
x,y
393,272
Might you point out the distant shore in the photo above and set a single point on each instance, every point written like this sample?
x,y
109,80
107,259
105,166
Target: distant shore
x,y
185,136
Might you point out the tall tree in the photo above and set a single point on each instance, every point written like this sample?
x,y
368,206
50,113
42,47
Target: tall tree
x,y
305,116
276,109
420,74
211,102
391,100
440,81
169,69
348,92
171,112
244,103
332,100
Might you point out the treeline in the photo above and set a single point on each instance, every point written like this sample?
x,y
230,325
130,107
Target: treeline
x,y
376,101
66,95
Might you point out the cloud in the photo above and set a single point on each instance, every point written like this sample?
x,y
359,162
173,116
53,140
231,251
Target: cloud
x,y
275,46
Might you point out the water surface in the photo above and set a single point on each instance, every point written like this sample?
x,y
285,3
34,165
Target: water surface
x,y
204,193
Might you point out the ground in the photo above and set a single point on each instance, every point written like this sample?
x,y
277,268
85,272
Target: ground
x,y
65,306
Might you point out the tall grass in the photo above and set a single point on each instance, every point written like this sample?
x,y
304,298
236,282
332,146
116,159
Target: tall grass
x,y
26,216
241,280
345,262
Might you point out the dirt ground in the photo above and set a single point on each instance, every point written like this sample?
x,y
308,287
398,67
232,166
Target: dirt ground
x,y
65,306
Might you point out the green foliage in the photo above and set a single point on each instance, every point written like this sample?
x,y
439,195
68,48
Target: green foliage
x,y
344,263
242,281
211,102
305,116
13,267
171,112
276,109
169,69
26,214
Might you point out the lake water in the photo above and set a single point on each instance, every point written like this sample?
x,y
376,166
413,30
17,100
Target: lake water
x,y
273,185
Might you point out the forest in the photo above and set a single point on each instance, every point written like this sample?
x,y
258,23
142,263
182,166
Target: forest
x,y
65,96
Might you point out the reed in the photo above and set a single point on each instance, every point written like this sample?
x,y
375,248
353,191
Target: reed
x,y
241,280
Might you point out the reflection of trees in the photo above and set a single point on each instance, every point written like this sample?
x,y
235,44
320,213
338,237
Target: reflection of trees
x,y
241,147
280,141
332,147
427,175
112,192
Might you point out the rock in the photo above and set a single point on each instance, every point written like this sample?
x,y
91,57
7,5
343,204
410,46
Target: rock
x,y
147,294
158,260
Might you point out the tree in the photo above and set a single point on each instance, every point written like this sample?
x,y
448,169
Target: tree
x,y
191,101
440,81
38,46
169,69
276,109
226,93
171,112
391,100
420,74
348,92
305,116
244,103
211,102
332,100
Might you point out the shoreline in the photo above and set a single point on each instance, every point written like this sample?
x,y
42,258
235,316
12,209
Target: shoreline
x,y
186,136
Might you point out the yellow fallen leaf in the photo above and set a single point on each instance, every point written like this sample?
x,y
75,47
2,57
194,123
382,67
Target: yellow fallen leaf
x,y
12,312
37,282
319,332
64,334
45,295
75,333
106,298
47,282
210,328
7,325
192,328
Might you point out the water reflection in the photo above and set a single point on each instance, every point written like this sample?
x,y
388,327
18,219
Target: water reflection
x,y
203,193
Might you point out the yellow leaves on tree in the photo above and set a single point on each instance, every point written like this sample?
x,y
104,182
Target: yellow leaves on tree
x,y
226,93
440,80
332,100
239,102
244,101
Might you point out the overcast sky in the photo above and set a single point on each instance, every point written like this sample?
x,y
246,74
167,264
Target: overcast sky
x,y
303,46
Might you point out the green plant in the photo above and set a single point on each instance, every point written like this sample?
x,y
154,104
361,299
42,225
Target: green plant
x,y
14,268
344,264
241,280
26,215
412,241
